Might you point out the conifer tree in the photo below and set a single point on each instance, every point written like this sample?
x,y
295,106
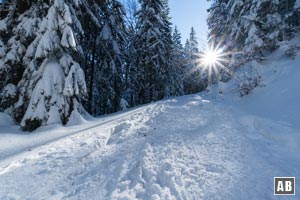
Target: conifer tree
x,y
40,41
253,27
131,72
152,43
251,30
173,72
178,63
192,69
108,85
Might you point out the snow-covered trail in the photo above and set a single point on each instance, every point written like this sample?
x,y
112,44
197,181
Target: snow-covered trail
x,y
21,141
183,148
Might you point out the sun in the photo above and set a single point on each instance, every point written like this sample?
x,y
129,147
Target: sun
x,y
212,61
211,57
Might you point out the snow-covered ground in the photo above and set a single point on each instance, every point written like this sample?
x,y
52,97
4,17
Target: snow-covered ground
x,y
191,147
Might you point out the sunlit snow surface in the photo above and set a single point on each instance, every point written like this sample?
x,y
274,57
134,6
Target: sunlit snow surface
x,y
192,147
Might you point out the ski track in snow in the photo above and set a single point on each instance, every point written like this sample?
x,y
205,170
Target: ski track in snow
x,y
184,148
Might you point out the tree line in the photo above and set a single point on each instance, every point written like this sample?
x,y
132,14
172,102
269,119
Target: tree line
x,y
61,58
251,30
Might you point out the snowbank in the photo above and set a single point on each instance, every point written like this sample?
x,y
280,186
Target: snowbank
x,y
277,96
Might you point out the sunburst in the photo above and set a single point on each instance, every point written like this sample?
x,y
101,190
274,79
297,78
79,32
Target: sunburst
x,y
212,60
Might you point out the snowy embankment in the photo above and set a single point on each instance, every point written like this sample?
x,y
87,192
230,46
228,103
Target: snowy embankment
x,y
192,147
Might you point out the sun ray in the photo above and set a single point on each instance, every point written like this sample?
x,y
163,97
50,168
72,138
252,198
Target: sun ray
x,y
213,60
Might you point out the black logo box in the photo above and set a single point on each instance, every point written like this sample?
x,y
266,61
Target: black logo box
x,y
284,181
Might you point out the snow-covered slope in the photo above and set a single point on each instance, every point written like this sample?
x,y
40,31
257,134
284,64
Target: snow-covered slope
x,y
191,147
278,98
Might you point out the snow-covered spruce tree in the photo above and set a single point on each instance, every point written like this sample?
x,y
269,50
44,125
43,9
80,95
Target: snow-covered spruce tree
x,y
193,74
193,42
41,39
254,27
262,24
177,63
177,45
11,50
152,44
130,69
132,74
251,30
218,23
294,18
91,24
108,80
173,71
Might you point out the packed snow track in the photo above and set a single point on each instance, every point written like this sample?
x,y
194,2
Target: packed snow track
x,y
183,148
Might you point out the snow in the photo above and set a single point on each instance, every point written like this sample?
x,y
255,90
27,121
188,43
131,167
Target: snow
x,y
66,61
9,90
48,43
54,116
76,118
199,146
68,15
28,26
59,4
51,22
124,104
106,32
116,47
68,39
11,56
2,51
280,102
30,52
3,25
297,4
76,3
75,81
16,49
5,120
2,65
49,88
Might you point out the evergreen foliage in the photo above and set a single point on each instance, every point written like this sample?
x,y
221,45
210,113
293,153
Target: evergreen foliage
x,y
193,79
44,83
151,68
251,30
110,45
60,55
254,27
59,58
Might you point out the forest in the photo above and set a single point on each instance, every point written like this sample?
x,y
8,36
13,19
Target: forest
x,y
116,100
62,58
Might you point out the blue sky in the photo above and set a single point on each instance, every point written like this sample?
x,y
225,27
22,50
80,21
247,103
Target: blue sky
x,y
186,14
